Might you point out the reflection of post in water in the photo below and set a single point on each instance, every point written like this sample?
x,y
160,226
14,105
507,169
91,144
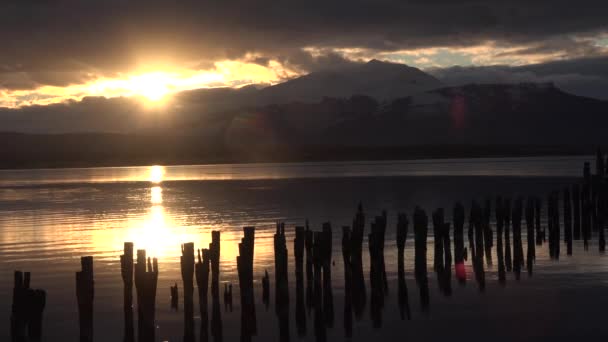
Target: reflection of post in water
x,y
576,208
266,289
308,242
145,284
328,297
26,310
567,221
298,247
377,269
402,228
540,233
477,249
85,293
348,307
553,223
126,271
174,297
531,255
244,264
359,291
216,314
187,268
518,252
500,219
459,249
488,234
281,282
507,216
421,222
227,297
319,320
202,282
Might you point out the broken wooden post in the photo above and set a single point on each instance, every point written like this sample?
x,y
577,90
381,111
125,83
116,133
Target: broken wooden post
x,y
126,271
328,297
500,220
507,216
402,229
145,284
26,310
187,268
420,271
281,281
531,251
376,252
319,320
518,252
214,260
245,270
576,205
540,233
308,243
567,221
346,257
202,282
488,234
298,247
359,291
477,249
459,249
85,293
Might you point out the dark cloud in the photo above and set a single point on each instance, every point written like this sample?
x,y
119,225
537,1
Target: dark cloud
x,y
103,37
583,76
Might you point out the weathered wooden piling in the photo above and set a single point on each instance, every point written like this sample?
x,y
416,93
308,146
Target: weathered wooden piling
x,y
187,270
26,310
85,293
126,271
202,282
576,206
420,265
586,205
281,282
500,221
567,221
359,290
298,247
308,244
174,297
244,262
531,250
518,251
476,241
146,279
377,270
217,331
507,216
459,249
488,234
438,219
348,305
540,232
319,320
402,229
442,252
328,297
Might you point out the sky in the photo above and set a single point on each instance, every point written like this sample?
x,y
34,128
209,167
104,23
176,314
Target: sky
x,y
55,51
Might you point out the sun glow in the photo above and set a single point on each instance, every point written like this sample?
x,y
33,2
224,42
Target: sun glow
x,y
157,173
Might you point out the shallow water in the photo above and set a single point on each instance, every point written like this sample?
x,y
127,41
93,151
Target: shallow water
x,y
50,218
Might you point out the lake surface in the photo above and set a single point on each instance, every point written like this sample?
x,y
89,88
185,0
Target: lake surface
x,y
50,218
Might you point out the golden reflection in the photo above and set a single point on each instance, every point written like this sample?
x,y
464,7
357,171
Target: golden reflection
x,y
157,173
156,195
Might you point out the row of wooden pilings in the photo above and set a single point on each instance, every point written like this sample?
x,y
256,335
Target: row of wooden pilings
x,y
584,211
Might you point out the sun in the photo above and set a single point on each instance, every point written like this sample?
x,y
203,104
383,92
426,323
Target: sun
x,y
153,86
156,174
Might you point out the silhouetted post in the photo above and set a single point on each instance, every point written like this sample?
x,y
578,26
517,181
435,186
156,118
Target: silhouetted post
x,y
281,282
346,257
441,253
477,249
85,293
488,234
26,310
531,252
217,331
328,298
402,228
187,268
420,271
576,204
447,263
244,263
145,283
359,291
266,289
586,206
174,298
500,220
459,249
507,216
202,282
319,320
567,221
126,271
437,240
308,243
377,271
518,251
298,247
540,233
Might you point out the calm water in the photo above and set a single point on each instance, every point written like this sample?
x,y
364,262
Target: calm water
x,y
50,218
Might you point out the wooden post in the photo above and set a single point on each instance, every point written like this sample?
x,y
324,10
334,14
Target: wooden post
x,y
402,229
26,310
518,252
214,260
359,290
531,252
126,271
202,282
477,248
298,247
488,234
540,233
281,282
420,271
348,304
507,216
245,269
187,268
576,204
319,320
459,249
308,243
85,293
500,221
328,297
145,284
567,221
